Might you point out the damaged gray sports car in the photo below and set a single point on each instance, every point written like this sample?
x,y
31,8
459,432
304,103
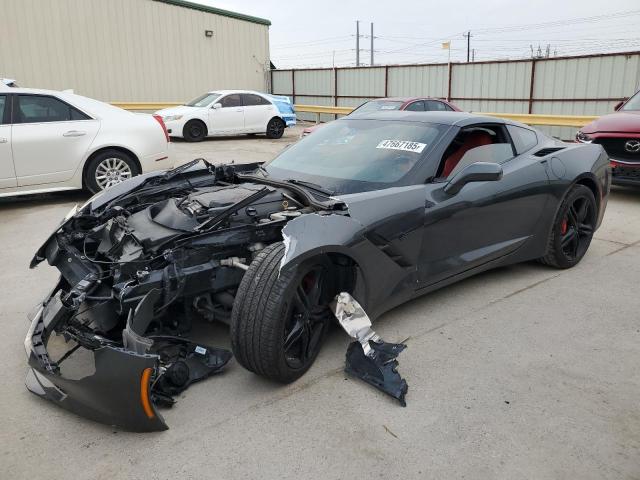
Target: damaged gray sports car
x,y
367,213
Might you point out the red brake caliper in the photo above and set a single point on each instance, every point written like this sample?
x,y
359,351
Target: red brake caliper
x,y
563,227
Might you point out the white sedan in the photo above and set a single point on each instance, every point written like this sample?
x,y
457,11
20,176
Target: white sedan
x,y
52,141
229,112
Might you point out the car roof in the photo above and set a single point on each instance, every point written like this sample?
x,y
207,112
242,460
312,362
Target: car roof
x,y
93,107
460,119
405,99
226,92
38,91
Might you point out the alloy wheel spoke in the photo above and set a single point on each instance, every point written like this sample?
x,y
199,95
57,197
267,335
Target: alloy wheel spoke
x,y
302,298
294,336
305,339
568,237
315,292
572,214
585,230
582,211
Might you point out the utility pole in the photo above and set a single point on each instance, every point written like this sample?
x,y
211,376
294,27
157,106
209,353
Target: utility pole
x,y
371,44
473,54
468,35
357,43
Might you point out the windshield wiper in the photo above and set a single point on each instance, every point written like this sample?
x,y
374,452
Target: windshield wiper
x,y
263,170
311,186
151,183
169,174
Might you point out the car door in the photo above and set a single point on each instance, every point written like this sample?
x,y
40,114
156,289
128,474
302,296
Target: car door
x,y
485,220
50,139
257,112
228,117
7,170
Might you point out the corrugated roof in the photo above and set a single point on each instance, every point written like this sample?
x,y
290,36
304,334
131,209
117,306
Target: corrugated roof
x,y
216,11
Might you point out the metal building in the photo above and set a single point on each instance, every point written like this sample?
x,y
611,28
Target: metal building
x,y
132,50
573,85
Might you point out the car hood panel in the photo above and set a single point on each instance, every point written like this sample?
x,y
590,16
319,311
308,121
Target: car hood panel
x,y
179,110
615,122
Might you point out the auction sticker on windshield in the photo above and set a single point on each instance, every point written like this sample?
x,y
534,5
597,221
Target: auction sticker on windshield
x,y
404,145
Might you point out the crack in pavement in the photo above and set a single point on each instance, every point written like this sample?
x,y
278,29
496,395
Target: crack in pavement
x,y
610,241
626,245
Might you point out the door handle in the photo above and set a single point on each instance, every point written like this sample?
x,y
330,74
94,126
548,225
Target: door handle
x,y
74,133
3,140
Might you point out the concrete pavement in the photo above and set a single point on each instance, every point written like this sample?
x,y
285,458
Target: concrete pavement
x,y
522,372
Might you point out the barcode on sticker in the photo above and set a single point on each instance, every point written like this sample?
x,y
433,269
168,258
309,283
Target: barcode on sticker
x,y
201,350
404,145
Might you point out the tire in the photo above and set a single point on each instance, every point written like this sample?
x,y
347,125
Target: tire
x,y
572,229
194,131
108,168
275,128
269,335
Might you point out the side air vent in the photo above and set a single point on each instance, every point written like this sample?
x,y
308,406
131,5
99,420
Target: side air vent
x,y
547,151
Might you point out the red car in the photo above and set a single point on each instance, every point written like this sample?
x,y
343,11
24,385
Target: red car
x,y
619,134
414,104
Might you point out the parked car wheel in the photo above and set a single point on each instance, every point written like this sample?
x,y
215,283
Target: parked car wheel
x,y
279,319
194,131
109,168
572,229
275,128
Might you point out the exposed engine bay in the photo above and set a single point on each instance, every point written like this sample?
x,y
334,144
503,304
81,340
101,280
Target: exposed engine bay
x,y
135,270
142,261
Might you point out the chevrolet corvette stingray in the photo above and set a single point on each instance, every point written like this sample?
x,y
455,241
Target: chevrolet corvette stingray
x,y
384,208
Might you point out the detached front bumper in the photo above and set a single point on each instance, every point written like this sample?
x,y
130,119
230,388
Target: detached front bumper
x,y
106,384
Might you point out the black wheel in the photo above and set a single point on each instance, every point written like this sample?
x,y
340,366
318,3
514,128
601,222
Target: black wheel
x,y
573,229
275,128
109,167
194,131
279,320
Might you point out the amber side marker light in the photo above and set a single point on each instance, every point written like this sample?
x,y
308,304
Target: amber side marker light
x,y
144,392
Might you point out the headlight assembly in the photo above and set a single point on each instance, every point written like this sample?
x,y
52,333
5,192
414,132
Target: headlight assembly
x,y
583,137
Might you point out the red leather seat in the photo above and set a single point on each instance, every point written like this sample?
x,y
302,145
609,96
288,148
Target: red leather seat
x,y
472,140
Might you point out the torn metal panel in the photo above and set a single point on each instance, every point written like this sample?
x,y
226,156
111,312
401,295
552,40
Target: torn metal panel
x,y
390,245
112,382
369,358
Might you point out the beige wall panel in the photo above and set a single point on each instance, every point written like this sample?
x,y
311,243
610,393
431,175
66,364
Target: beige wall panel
x,y
129,50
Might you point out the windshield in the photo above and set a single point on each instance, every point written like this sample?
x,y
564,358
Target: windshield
x,y
633,103
378,105
351,155
203,100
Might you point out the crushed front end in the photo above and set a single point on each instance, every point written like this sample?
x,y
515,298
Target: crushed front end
x,y
137,266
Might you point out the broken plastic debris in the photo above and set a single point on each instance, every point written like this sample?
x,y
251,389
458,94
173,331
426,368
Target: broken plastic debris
x,y
187,363
369,358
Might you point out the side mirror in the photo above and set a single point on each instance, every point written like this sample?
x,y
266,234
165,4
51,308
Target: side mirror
x,y
476,172
216,106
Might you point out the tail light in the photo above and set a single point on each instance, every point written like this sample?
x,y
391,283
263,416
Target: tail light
x,y
164,127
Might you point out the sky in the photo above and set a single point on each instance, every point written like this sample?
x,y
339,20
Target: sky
x,y
322,33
